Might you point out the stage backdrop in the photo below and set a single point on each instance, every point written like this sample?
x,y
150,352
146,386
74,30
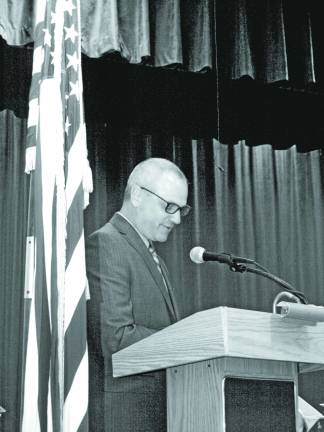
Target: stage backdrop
x,y
252,201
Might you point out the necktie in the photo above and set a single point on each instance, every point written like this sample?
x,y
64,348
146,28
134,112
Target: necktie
x,y
155,257
157,262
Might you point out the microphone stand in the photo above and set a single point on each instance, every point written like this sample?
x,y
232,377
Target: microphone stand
x,y
241,268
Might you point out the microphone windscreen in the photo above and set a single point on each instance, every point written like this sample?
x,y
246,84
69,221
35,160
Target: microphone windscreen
x,y
196,254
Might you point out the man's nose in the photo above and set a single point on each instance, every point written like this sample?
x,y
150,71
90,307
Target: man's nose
x,y
176,218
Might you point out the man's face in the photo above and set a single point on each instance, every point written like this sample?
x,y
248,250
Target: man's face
x,y
154,222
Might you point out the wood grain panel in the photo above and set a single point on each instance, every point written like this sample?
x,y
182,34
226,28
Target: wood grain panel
x,y
195,397
264,369
267,336
223,332
192,339
195,392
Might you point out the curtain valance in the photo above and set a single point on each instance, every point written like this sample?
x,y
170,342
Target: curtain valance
x,y
267,40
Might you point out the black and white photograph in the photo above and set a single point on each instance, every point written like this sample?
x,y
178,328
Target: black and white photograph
x,y
161,216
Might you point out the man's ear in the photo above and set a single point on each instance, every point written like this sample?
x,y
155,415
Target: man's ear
x,y
136,195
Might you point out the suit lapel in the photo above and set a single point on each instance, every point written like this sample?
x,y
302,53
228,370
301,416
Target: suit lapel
x,y
137,243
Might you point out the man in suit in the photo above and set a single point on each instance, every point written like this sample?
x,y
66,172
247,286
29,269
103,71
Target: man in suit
x,y
131,296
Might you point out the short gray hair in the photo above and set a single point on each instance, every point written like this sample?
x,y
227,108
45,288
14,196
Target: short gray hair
x,y
148,170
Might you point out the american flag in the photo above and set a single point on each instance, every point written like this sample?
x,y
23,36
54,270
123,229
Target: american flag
x,y
55,370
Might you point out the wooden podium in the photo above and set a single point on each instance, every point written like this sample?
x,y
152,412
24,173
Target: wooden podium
x,y
228,369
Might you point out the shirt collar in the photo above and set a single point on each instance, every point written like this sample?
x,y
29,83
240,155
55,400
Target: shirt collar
x,y
145,240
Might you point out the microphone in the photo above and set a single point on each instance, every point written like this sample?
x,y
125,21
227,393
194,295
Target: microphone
x,y
199,255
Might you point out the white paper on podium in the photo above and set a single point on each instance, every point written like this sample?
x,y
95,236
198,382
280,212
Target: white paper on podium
x,y
309,414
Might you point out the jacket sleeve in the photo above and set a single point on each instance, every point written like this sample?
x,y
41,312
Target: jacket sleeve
x,y
109,276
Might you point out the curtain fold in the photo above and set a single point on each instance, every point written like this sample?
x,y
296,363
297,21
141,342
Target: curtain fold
x,y
300,38
275,51
16,21
198,40
99,27
233,40
14,191
271,41
135,28
166,19
267,40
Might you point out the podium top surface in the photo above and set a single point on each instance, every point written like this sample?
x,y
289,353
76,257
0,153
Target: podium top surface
x,y
224,332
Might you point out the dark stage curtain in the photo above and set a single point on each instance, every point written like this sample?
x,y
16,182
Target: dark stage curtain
x,y
268,40
13,222
251,201
195,104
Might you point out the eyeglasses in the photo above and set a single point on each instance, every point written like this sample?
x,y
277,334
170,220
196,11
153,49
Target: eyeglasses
x,y
171,208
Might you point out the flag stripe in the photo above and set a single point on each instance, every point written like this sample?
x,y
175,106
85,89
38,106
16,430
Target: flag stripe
x,y
30,418
39,56
75,174
84,426
77,398
74,225
43,341
41,308
74,340
75,282
54,401
33,114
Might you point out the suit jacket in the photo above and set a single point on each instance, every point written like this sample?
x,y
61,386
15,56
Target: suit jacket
x,y
129,301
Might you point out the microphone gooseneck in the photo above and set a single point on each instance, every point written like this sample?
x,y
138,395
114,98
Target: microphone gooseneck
x,y
199,255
